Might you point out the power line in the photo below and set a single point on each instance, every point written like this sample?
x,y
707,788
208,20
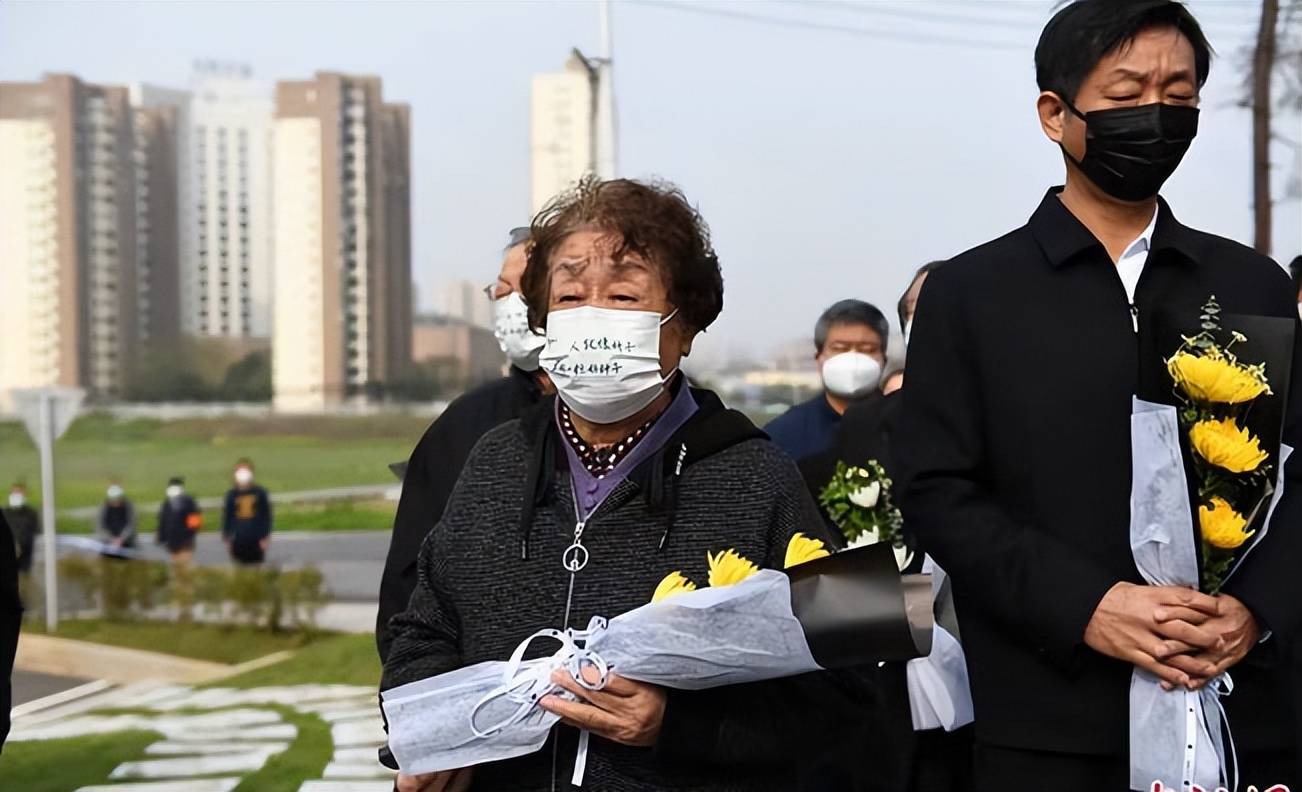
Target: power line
x,y
788,22
878,9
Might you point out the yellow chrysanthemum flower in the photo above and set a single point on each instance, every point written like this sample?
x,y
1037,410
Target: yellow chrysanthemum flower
x,y
727,568
674,583
801,549
1215,379
1222,526
1226,445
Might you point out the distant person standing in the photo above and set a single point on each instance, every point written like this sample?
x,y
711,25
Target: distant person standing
x,y
115,527
850,349
180,520
437,460
25,523
246,517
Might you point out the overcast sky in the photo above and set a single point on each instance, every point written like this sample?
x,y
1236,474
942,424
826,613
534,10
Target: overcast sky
x,y
831,153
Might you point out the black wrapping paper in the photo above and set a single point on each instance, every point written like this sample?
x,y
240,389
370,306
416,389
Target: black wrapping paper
x,y
857,609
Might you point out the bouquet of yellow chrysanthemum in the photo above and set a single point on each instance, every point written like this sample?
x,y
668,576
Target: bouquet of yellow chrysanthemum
x,y
1226,424
749,624
1216,391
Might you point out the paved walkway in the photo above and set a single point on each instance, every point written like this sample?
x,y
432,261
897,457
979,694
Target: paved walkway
x,y
352,561
210,738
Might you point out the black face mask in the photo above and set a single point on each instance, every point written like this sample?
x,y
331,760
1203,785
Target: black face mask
x,y
1131,151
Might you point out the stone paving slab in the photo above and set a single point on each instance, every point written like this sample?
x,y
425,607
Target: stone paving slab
x,y
356,713
198,727
290,696
195,785
373,769
356,755
182,748
245,762
274,731
358,733
347,786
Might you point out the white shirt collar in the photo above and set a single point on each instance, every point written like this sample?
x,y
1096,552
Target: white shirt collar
x,y
1144,241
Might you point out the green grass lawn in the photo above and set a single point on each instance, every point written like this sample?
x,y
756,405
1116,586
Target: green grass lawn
x,y
216,642
329,660
305,758
66,765
290,453
346,515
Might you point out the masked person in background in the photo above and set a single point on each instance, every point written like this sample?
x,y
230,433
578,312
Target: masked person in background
x,y
179,520
115,525
919,748
850,348
584,503
904,309
246,517
438,458
1023,363
25,523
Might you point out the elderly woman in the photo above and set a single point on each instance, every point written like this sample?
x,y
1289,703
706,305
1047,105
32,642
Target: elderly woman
x,y
581,506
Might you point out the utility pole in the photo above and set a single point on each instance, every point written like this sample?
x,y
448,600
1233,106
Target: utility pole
x,y
1263,64
605,139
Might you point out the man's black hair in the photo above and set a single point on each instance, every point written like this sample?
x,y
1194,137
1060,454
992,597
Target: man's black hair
x,y
1295,267
851,312
902,305
1083,32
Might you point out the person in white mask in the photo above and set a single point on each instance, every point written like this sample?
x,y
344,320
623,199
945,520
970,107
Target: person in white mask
x,y
580,506
850,348
25,523
246,517
436,461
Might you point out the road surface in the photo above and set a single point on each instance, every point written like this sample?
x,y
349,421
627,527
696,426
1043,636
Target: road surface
x,y
351,561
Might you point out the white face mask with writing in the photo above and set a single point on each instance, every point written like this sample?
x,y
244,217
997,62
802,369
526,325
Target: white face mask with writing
x,y
16,500
851,374
174,492
604,362
511,326
243,476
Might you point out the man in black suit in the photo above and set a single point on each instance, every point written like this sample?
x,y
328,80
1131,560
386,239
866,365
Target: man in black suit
x,y
1023,360
435,463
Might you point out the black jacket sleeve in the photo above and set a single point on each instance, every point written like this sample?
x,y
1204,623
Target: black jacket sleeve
x,y
1021,577
425,490
10,616
772,722
424,636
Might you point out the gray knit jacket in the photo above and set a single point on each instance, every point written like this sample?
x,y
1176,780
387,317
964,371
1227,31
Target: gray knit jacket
x,y
490,575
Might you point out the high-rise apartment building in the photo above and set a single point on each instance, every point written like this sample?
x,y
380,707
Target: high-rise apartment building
x,y
226,276
163,217
342,241
68,306
571,127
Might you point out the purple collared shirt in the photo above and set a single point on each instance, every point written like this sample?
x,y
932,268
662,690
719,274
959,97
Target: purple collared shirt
x,y
590,491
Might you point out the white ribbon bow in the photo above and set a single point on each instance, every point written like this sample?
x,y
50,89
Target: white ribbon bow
x,y
526,684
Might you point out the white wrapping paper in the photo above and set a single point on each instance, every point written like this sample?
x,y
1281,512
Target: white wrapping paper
x,y
940,696
1176,736
707,638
